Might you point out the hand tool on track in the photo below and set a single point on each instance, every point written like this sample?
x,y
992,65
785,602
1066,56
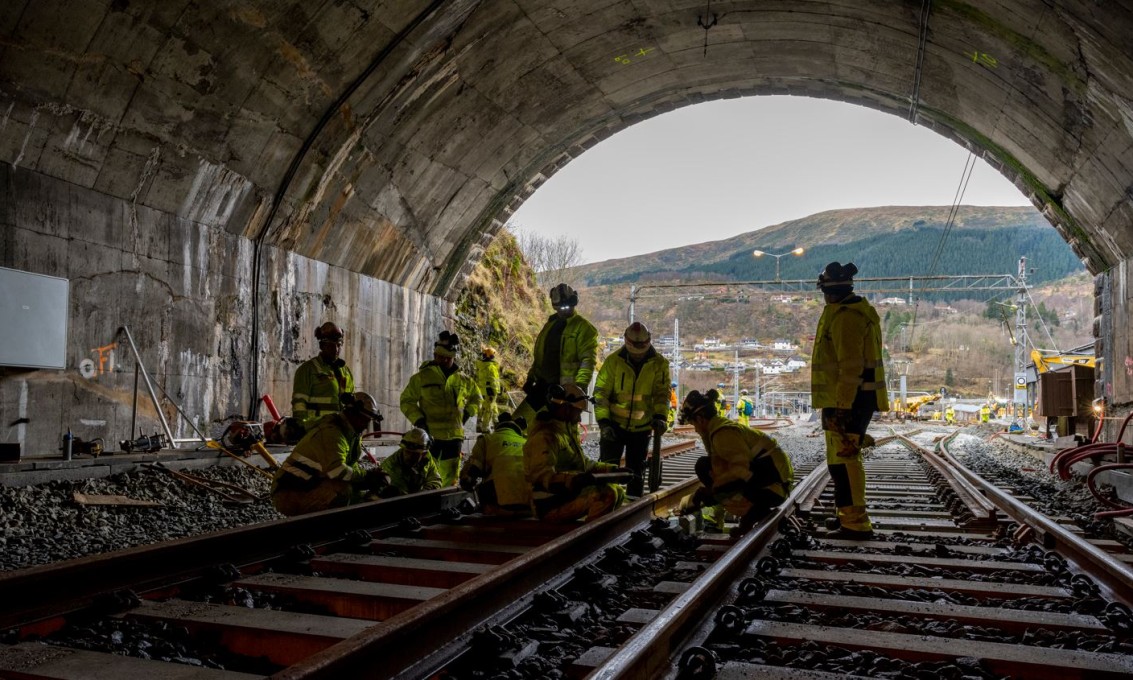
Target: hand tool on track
x,y
655,464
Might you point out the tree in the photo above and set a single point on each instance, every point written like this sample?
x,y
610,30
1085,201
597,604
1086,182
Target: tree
x,y
949,381
552,258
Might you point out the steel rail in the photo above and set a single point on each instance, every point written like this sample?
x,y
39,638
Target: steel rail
x,y
982,510
648,652
1116,575
50,590
387,649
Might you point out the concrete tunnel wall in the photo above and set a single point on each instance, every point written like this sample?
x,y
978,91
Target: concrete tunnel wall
x,y
390,138
183,289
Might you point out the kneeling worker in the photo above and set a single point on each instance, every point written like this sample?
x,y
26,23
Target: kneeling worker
x,y
323,470
411,468
745,470
497,459
561,476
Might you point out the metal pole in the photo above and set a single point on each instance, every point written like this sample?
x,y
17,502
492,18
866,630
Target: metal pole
x,y
134,409
632,300
149,388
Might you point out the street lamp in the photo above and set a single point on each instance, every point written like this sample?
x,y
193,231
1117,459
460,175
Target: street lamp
x,y
760,253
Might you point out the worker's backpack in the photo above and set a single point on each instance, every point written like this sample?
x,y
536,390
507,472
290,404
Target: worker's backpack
x,y
748,407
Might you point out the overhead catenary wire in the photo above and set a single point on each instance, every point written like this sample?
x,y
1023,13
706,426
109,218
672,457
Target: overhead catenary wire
x,y
922,46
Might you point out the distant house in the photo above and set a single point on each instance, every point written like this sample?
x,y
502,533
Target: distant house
x,y
893,301
772,370
783,346
795,363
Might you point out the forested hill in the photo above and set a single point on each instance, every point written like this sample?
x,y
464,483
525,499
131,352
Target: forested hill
x,y
883,241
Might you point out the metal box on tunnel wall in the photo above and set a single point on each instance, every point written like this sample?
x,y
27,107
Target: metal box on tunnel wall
x,y
33,319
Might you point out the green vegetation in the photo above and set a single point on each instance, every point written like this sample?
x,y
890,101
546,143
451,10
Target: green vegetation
x,y
502,306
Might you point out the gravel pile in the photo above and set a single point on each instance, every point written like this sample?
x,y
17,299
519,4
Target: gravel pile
x,y
42,524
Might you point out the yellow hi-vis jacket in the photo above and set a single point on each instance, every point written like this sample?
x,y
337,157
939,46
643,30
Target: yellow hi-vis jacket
x,y
732,450
445,402
499,458
632,399
409,478
578,351
552,456
316,389
329,451
488,378
846,368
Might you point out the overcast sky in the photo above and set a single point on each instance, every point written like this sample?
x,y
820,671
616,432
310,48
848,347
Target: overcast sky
x,y
715,170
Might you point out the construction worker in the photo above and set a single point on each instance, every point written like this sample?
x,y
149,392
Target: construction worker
x,y
745,470
321,381
631,403
985,413
560,475
744,408
440,399
411,468
488,380
566,352
722,405
950,415
672,417
323,470
495,469
848,385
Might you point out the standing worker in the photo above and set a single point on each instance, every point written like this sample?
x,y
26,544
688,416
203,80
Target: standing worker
x,y
745,470
488,380
985,413
950,415
560,475
321,381
631,403
323,470
566,352
744,409
411,469
672,418
495,469
440,399
848,384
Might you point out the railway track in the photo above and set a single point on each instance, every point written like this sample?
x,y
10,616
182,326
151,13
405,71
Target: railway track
x,y
950,588
944,591
301,586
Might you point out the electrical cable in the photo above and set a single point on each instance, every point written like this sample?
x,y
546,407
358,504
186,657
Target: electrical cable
x,y
922,46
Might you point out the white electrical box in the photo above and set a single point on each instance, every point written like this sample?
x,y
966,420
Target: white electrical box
x,y
33,319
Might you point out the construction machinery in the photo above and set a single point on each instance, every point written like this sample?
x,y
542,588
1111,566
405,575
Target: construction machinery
x,y
914,405
1051,361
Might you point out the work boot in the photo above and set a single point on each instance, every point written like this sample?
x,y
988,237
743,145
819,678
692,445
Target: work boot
x,y
844,534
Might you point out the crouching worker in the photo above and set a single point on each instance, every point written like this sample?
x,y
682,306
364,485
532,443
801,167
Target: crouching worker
x,y
323,470
561,476
411,468
745,471
495,469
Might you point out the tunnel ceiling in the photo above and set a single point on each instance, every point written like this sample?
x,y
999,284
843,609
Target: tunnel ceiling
x,y
393,137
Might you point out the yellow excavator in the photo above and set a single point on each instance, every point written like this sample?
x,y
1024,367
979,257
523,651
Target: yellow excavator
x,y
914,405
1047,362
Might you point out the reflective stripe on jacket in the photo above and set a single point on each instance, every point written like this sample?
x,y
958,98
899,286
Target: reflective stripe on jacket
x,y
407,478
488,376
578,354
445,402
552,456
732,448
315,390
499,457
847,358
329,451
632,399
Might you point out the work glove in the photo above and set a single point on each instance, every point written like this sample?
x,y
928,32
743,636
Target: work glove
x,y
467,416
606,431
837,420
422,423
659,426
468,483
491,393
374,479
581,481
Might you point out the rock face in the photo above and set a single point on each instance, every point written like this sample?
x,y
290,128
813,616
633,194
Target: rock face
x,y
224,178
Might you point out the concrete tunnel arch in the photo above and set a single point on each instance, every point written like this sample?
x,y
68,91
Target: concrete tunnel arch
x,y
373,148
